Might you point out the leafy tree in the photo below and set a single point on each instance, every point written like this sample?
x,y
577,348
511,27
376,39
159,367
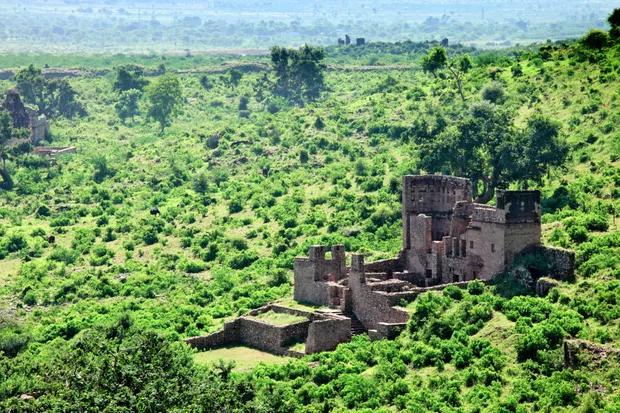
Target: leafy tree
x,y
614,22
303,156
494,92
55,96
299,73
60,98
243,102
541,148
30,83
165,99
596,39
492,151
205,82
234,77
115,368
437,59
129,77
128,104
101,166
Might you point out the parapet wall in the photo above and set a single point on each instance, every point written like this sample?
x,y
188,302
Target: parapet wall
x,y
562,261
325,335
256,333
520,206
389,266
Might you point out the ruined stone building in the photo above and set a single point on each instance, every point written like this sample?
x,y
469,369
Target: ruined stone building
x,y
446,240
25,117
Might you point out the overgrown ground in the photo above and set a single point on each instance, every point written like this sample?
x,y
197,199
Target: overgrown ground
x,y
241,192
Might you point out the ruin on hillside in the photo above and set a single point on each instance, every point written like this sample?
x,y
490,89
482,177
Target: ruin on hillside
x,y
447,240
25,117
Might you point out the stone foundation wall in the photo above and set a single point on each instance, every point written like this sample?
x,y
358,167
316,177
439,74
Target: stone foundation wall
x,y
371,307
325,335
54,150
228,335
387,331
519,237
562,261
256,333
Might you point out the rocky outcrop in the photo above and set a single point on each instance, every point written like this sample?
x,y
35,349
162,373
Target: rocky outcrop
x,y
579,353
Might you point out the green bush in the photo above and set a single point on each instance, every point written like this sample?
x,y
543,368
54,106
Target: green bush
x,y
475,287
453,292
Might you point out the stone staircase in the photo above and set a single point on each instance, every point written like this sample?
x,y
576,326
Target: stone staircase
x,y
357,327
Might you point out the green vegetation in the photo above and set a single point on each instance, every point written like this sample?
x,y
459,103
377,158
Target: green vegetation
x,y
166,230
244,358
152,26
279,319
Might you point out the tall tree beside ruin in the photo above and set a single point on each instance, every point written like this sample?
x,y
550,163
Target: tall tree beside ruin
x,y
165,99
492,152
299,73
437,59
31,84
60,98
52,97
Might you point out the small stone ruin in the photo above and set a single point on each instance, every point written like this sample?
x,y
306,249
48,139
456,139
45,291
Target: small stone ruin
x,y
25,117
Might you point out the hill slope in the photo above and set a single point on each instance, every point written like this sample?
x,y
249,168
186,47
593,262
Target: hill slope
x,y
178,232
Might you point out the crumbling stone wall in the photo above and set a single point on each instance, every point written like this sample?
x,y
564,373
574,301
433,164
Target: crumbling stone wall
x,y
388,266
16,109
544,285
325,335
228,335
371,307
25,117
562,261
387,331
311,275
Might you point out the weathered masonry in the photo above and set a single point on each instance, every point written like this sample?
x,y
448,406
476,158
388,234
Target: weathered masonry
x,y
446,240
320,331
25,117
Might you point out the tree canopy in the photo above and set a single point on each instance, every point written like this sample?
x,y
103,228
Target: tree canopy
x,y
165,99
129,77
52,97
490,150
299,73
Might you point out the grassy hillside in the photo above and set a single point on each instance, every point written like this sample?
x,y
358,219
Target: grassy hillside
x,y
242,191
